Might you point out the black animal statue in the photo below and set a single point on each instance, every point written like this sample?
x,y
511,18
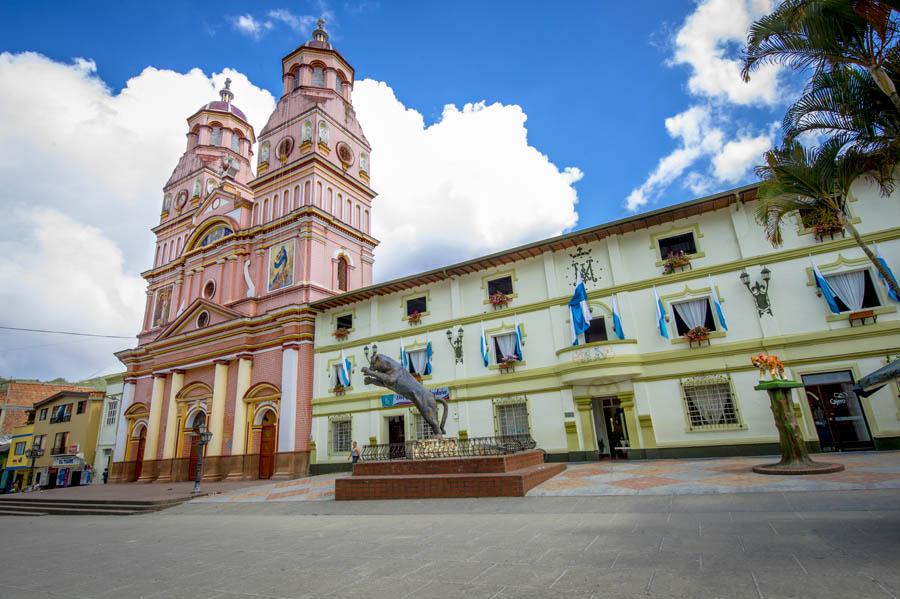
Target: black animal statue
x,y
388,373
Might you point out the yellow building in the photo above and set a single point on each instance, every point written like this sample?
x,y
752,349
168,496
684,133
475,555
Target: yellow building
x,y
66,426
16,473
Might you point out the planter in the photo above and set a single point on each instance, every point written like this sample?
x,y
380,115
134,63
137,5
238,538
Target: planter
x,y
698,336
341,333
507,366
679,262
339,390
827,229
499,300
414,318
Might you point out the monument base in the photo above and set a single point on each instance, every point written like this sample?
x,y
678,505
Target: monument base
x,y
511,475
808,468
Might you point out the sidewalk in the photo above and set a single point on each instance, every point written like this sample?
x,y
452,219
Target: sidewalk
x,y
133,491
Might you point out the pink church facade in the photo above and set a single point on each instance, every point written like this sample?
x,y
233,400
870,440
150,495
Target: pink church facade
x,y
226,340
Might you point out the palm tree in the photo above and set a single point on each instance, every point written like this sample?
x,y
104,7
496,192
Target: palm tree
x,y
823,34
796,179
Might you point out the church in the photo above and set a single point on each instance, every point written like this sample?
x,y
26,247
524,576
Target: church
x,y
226,342
261,311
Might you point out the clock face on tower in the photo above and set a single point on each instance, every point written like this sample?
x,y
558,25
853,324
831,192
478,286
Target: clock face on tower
x,y
182,199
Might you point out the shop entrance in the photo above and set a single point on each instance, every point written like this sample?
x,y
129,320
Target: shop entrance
x,y
609,425
397,436
838,415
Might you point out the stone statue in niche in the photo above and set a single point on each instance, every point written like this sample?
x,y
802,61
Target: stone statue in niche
x,y
323,132
210,186
583,263
390,374
196,190
264,152
307,132
167,202
364,162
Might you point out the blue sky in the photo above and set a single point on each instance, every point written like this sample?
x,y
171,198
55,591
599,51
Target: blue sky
x,y
592,77
492,124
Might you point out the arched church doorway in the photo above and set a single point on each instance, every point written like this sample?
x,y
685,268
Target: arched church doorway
x,y
138,441
197,422
267,440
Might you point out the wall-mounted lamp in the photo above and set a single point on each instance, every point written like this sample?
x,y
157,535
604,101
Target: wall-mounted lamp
x,y
759,291
456,344
374,352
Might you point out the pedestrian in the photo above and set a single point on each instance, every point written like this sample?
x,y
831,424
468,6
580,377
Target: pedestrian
x,y
86,475
105,475
354,452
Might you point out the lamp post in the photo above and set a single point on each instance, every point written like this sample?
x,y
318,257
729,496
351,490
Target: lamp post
x,y
374,352
456,344
759,291
32,454
204,438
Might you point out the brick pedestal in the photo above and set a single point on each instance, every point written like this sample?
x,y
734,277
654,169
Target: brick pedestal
x,y
490,476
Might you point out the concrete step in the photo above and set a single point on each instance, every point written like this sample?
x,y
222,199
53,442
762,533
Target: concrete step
x,y
21,513
112,507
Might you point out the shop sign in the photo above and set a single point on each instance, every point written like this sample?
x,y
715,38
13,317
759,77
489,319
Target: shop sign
x,y
66,461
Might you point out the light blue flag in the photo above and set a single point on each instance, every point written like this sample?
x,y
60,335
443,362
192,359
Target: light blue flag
x,y
891,293
580,312
427,355
718,306
404,359
822,284
617,321
485,356
660,315
518,352
345,369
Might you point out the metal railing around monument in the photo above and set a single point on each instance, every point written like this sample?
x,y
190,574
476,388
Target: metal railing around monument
x,y
429,449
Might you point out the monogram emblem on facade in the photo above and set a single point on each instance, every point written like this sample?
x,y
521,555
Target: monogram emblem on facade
x,y
583,262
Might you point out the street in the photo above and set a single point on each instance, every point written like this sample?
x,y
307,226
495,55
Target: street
x,y
759,545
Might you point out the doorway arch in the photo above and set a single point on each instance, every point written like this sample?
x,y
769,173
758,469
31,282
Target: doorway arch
x,y
195,421
136,444
263,401
267,420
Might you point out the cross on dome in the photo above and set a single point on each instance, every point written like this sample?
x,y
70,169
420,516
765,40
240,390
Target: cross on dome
x,y
320,35
226,93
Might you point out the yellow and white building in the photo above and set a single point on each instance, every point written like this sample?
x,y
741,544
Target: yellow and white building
x,y
645,395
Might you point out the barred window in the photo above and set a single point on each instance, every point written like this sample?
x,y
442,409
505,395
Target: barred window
x,y
112,409
423,429
340,436
513,419
710,404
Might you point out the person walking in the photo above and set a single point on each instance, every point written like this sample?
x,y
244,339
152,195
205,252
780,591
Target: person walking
x,y
354,452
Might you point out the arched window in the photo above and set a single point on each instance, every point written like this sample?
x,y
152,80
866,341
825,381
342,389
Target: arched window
x,y
318,77
329,202
348,214
235,142
217,136
319,195
266,210
307,193
339,85
276,207
215,234
297,201
256,214
358,220
366,221
178,252
343,273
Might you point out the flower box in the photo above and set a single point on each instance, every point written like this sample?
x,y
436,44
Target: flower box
x,y
499,300
339,390
827,229
676,262
414,318
507,365
341,333
698,335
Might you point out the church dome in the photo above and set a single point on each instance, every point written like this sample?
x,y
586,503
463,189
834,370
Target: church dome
x,y
225,105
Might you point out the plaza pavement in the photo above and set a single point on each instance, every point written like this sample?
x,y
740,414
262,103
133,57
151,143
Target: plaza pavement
x,y
863,470
754,545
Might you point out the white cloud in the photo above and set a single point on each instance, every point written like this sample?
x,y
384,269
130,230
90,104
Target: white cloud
x,y
738,156
83,169
707,43
247,25
466,185
302,24
93,163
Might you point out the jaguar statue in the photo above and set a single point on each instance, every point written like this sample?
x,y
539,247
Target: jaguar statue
x,y
388,373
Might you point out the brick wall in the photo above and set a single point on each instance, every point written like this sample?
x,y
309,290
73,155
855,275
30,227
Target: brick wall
x,y
27,394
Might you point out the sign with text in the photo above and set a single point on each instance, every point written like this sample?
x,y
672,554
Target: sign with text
x,y
393,399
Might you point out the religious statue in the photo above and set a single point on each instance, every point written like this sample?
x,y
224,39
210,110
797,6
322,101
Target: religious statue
x,y
307,132
386,372
264,152
323,132
167,202
210,186
364,162
196,190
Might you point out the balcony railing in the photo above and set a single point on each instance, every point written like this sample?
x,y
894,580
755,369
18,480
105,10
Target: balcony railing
x,y
59,450
63,418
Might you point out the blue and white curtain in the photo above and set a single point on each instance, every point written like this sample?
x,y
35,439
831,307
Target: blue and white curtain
x,y
716,304
345,369
823,285
617,320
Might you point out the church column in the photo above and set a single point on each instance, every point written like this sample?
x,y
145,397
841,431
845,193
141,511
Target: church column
x,y
239,431
148,310
217,424
122,430
586,418
152,442
229,280
287,417
172,415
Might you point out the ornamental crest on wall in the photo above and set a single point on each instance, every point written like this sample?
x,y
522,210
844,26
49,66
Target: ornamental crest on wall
x,y
583,262
590,354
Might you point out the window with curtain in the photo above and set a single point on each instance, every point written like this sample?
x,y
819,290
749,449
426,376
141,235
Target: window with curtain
x,y
217,136
512,419
709,403
692,314
597,331
318,77
423,429
854,290
417,361
336,376
504,347
341,432
39,441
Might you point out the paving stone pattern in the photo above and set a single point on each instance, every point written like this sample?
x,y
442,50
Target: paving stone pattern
x,y
760,545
